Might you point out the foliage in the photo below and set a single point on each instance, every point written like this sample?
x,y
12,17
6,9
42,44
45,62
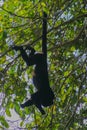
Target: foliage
x,y
21,24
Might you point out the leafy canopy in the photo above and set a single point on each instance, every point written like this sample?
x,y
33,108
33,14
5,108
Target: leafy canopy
x,y
21,24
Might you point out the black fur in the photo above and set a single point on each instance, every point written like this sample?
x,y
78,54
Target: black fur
x,y
44,95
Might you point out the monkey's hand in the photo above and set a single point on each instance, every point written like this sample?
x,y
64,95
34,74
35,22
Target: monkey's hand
x,y
16,48
30,48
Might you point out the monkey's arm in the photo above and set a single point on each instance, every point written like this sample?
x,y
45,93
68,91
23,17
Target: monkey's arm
x,y
24,55
22,52
32,59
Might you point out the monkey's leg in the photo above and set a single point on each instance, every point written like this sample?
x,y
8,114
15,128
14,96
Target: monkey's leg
x,y
27,103
40,108
36,100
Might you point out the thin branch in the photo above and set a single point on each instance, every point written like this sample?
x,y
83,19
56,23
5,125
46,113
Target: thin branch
x,y
27,17
22,25
80,96
9,64
68,22
62,11
1,55
69,42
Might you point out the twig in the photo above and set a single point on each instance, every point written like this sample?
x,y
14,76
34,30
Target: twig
x,y
69,42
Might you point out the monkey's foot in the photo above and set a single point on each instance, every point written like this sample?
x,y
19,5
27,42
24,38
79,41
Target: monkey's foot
x,y
27,103
42,111
22,105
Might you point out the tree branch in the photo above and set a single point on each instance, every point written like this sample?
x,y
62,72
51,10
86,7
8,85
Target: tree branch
x,y
69,42
27,17
68,22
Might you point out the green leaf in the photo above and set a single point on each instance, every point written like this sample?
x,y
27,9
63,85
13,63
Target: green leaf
x,y
85,99
4,122
43,4
21,123
8,113
73,48
4,34
17,108
3,60
66,73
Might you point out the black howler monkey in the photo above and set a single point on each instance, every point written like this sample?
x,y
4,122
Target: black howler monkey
x,y
44,95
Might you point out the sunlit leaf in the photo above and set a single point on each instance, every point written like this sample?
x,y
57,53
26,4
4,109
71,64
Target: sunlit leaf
x,y
4,122
8,113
